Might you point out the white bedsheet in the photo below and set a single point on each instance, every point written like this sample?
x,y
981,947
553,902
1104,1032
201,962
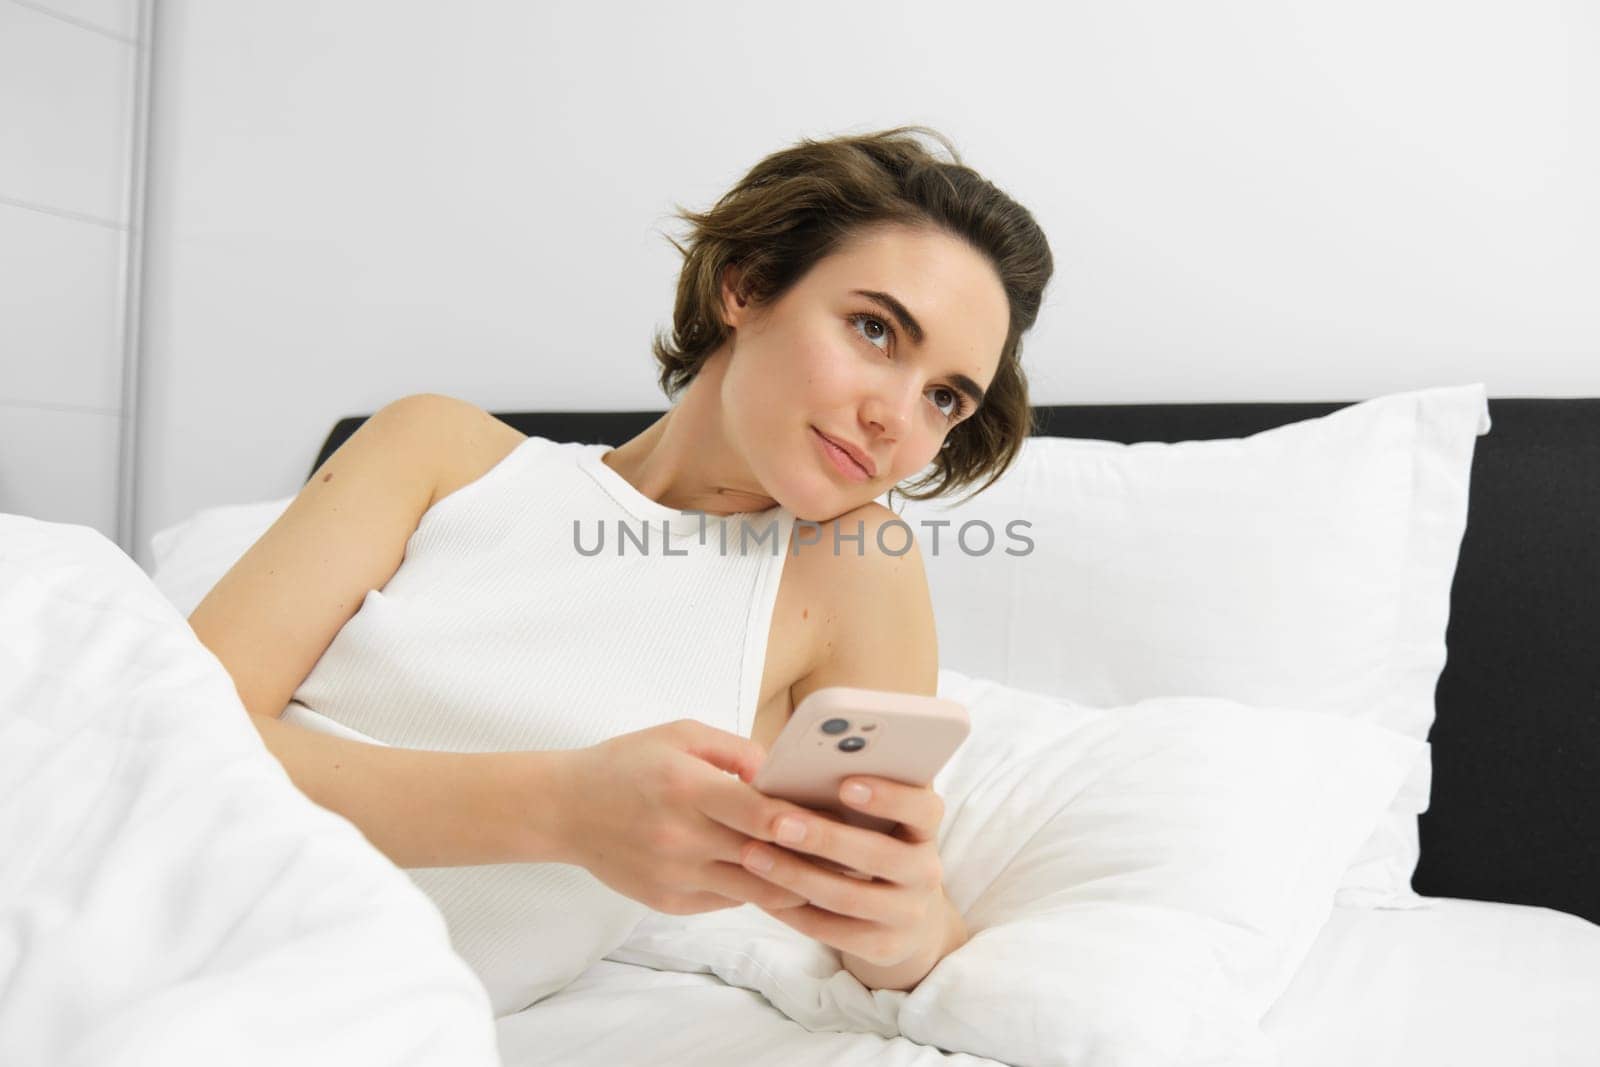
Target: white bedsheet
x,y
167,896
1455,984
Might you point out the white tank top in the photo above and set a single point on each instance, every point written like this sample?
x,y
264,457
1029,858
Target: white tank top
x,y
550,605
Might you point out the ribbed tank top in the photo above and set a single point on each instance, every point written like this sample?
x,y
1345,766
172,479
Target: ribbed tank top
x,y
504,629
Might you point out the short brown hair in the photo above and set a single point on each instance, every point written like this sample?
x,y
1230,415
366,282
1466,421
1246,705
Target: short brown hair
x,y
803,203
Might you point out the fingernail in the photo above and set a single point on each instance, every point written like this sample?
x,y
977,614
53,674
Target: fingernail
x,y
759,861
791,831
856,793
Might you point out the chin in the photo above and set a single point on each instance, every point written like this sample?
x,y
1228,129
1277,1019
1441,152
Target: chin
x,y
833,507
817,510
815,503
819,498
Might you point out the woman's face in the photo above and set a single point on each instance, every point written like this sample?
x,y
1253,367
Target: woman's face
x,y
883,347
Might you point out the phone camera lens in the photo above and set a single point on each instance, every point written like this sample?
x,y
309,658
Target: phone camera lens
x,y
836,726
853,744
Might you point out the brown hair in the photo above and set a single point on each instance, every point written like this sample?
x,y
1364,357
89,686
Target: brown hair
x,y
803,203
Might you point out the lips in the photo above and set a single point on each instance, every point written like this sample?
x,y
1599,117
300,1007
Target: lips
x,y
863,460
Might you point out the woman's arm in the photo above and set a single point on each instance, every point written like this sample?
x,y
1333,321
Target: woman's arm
x,y
881,635
275,612
429,809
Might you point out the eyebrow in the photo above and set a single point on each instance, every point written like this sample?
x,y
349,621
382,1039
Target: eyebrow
x,y
909,323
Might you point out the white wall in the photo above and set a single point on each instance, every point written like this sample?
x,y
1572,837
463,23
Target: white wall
x,y
1249,200
68,79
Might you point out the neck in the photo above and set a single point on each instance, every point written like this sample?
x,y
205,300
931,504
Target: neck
x,y
683,460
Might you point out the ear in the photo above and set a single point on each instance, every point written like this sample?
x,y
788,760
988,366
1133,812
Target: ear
x,y
734,305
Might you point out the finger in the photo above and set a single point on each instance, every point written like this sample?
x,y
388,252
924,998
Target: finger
x,y
873,901
867,851
718,842
724,750
869,941
710,861
740,807
917,808
734,882
839,931
752,814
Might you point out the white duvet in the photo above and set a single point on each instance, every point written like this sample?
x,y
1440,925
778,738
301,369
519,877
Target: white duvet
x,y
1141,882
167,896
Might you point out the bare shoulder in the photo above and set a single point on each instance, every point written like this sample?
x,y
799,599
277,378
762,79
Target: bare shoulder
x,y
275,612
472,440
877,630
862,549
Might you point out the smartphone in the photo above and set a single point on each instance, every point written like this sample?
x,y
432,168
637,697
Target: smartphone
x,y
840,731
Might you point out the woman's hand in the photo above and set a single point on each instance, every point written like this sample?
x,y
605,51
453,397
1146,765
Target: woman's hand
x,y
892,930
653,815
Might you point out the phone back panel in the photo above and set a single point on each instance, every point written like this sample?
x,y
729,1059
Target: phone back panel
x,y
840,731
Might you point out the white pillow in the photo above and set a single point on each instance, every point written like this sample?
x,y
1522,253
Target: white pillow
x,y
1307,566
191,556
167,895
1141,883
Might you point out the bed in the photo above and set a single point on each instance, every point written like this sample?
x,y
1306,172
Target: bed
x,y
1460,983
1488,952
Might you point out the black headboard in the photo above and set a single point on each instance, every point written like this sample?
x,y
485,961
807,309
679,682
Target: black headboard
x,y
1515,810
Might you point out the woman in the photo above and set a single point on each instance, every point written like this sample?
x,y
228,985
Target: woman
x,y
848,316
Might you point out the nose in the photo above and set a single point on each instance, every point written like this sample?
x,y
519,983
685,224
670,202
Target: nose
x,y
891,406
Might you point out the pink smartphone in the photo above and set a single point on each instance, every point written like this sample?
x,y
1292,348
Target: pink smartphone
x,y
840,731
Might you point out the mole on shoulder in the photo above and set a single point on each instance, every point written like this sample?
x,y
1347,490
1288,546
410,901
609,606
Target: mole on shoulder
x,y
805,613
328,477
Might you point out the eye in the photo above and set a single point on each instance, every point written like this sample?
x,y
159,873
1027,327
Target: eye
x,y
884,331
958,403
864,324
